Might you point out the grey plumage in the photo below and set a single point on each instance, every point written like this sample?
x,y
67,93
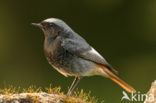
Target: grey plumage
x,y
71,55
65,42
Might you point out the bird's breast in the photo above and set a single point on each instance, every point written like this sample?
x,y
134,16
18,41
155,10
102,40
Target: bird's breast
x,y
66,62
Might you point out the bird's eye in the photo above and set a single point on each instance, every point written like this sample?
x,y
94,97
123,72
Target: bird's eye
x,y
51,24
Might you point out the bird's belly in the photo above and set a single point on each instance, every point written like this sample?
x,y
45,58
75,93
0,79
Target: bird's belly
x,y
71,65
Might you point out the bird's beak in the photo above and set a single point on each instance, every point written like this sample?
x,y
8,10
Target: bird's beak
x,y
37,24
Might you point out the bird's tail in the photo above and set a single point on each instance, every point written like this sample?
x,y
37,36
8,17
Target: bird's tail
x,y
117,80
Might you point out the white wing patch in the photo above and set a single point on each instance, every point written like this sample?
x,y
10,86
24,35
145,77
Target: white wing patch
x,y
95,52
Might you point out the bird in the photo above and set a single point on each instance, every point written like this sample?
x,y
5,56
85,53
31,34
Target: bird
x,y
71,55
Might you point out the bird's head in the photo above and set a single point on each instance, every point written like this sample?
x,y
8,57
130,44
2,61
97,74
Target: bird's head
x,y
52,26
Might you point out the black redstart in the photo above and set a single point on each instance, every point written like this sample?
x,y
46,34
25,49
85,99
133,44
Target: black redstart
x,y
71,55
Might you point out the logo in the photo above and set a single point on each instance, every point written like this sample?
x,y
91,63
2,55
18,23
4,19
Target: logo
x,y
137,97
125,96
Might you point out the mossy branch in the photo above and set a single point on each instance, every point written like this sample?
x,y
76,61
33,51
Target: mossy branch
x,y
47,95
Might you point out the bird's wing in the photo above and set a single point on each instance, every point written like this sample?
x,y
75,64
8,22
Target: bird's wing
x,y
81,48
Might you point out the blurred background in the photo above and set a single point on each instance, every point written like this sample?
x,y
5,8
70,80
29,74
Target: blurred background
x,y
123,31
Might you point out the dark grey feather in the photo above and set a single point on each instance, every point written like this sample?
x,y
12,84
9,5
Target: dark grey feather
x,y
79,47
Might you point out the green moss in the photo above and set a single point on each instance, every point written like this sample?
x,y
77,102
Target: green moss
x,y
80,97
76,97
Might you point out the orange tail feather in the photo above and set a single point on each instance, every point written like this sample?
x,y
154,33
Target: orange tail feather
x,y
117,80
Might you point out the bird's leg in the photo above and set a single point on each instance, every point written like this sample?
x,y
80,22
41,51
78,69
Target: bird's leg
x,y
74,84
